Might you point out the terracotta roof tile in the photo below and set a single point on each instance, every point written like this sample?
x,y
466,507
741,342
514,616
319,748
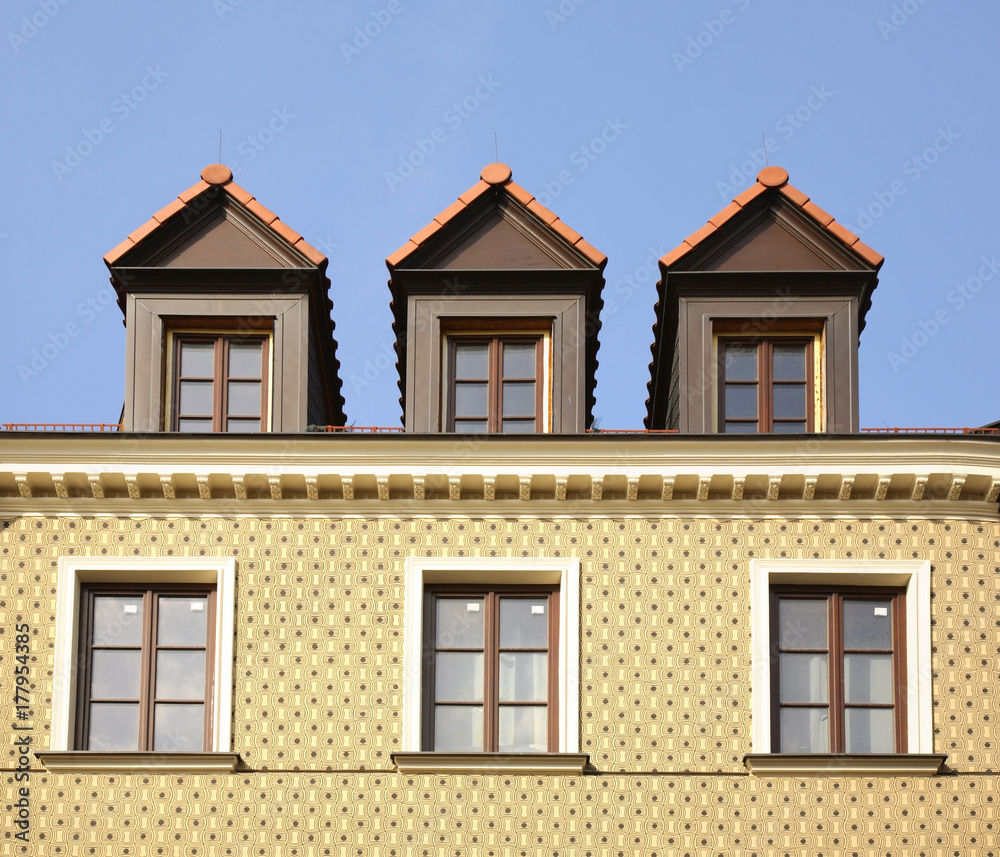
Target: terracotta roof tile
x,y
168,211
264,214
216,175
498,176
767,179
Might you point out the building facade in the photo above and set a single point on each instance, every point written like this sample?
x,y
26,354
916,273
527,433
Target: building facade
x,y
751,629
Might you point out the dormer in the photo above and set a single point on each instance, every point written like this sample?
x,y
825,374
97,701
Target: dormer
x,y
227,318
758,317
496,310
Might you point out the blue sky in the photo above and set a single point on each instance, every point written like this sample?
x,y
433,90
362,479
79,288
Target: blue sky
x,y
885,113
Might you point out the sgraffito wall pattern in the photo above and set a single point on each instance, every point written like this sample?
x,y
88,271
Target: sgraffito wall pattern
x,y
664,696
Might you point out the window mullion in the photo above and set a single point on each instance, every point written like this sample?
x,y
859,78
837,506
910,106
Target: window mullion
x,y
836,674
765,394
491,657
495,384
147,671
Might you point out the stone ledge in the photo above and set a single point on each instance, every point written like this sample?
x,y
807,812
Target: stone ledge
x,y
486,763
835,764
71,761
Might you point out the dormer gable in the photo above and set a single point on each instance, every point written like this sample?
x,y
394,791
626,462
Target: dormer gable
x,y
491,302
773,289
227,315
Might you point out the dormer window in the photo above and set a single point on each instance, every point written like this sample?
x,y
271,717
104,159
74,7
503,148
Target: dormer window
x,y
220,383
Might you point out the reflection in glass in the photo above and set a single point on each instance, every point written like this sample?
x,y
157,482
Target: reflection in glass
x,y
805,730
523,677
197,359
741,401
458,677
471,398
459,623
458,728
471,360
869,730
245,359
789,362
117,620
179,727
803,678
741,428
868,678
788,428
470,426
518,398
115,674
523,729
519,360
867,624
802,623
790,401
518,426
183,620
196,398
180,675
192,425
113,726
524,623
741,363
244,426
244,397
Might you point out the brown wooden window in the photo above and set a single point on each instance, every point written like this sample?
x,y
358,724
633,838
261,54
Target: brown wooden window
x,y
220,383
146,660
495,384
766,385
491,685
840,683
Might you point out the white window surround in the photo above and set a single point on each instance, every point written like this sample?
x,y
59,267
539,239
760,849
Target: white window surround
x,y
420,571
913,575
73,571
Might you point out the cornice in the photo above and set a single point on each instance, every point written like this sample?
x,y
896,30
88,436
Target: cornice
x,y
545,474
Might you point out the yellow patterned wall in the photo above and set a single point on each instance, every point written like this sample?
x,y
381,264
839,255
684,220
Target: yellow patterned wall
x,y
665,696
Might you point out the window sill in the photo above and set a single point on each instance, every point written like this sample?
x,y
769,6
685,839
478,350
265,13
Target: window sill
x,y
71,761
818,764
485,763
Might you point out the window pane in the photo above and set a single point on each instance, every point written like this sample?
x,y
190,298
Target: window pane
x,y
197,359
195,425
180,675
805,730
523,729
524,623
867,624
869,730
244,397
518,426
245,359
471,399
741,401
524,676
472,360
114,726
115,674
741,362
183,621
196,398
868,678
789,428
179,728
470,426
518,398
803,678
458,728
459,623
789,401
117,620
458,677
802,623
243,425
789,362
519,360
740,428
